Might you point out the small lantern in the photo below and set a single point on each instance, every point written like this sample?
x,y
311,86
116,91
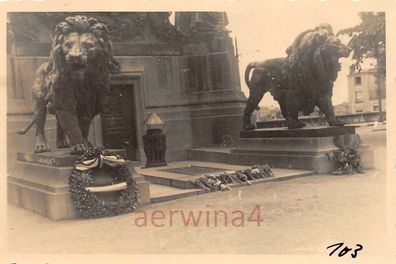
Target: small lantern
x,y
154,141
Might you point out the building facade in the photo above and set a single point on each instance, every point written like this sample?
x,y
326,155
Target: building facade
x,y
189,78
363,92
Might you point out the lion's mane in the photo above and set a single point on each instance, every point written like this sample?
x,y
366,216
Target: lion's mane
x,y
308,71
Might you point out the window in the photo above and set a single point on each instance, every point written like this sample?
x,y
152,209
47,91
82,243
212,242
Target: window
x,y
358,97
358,80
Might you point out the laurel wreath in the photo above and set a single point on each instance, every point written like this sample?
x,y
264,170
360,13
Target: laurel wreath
x,y
87,203
346,161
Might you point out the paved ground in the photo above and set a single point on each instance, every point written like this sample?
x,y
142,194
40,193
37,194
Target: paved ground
x,y
301,216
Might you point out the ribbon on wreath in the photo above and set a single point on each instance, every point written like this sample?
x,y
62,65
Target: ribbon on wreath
x,y
85,196
110,160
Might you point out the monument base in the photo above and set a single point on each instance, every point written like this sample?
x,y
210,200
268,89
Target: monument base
x,y
40,183
305,148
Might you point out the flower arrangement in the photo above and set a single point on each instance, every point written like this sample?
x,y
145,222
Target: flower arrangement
x,y
221,181
346,161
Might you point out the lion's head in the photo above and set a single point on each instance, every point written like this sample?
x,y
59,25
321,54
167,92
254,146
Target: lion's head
x,y
79,41
326,59
81,48
315,57
313,65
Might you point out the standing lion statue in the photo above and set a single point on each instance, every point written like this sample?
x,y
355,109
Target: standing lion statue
x,y
74,84
302,80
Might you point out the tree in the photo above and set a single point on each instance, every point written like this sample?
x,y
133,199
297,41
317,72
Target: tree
x,y
368,41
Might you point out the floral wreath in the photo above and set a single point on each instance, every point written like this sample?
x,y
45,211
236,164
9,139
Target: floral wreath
x,y
346,161
84,196
346,157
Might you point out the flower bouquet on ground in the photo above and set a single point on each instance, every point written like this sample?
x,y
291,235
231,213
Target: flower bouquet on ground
x,y
221,181
346,161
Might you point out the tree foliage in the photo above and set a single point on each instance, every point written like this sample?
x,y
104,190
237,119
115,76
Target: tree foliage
x,y
368,40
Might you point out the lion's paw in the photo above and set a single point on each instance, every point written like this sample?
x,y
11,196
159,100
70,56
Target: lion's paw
x,y
79,149
41,144
295,124
249,127
335,122
42,147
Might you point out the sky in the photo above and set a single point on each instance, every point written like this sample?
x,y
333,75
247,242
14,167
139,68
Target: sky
x,y
265,31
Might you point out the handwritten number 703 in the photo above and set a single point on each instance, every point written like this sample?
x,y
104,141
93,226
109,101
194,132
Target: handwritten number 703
x,y
345,250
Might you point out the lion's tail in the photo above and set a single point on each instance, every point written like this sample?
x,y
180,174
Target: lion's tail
x,y
247,73
24,131
39,92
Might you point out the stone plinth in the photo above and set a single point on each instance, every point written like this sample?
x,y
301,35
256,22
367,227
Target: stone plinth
x,y
40,183
312,132
357,118
305,148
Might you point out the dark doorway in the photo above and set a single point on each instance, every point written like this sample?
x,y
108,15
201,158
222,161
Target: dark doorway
x,y
119,123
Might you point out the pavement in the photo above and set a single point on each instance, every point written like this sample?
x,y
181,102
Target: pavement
x,y
299,216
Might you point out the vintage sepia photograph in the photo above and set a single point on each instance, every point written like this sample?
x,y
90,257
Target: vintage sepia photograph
x,y
250,130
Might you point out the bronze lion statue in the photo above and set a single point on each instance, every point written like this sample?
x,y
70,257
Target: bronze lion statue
x,y
74,84
302,80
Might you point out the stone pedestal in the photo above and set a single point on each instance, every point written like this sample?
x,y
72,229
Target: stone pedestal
x,y
305,148
40,183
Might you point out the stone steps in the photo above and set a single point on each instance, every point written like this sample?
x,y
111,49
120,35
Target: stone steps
x,y
173,181
166,175
160,192
162,176
40,182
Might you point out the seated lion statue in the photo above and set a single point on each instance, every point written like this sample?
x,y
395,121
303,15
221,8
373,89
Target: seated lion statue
x,y
302,80
74,84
